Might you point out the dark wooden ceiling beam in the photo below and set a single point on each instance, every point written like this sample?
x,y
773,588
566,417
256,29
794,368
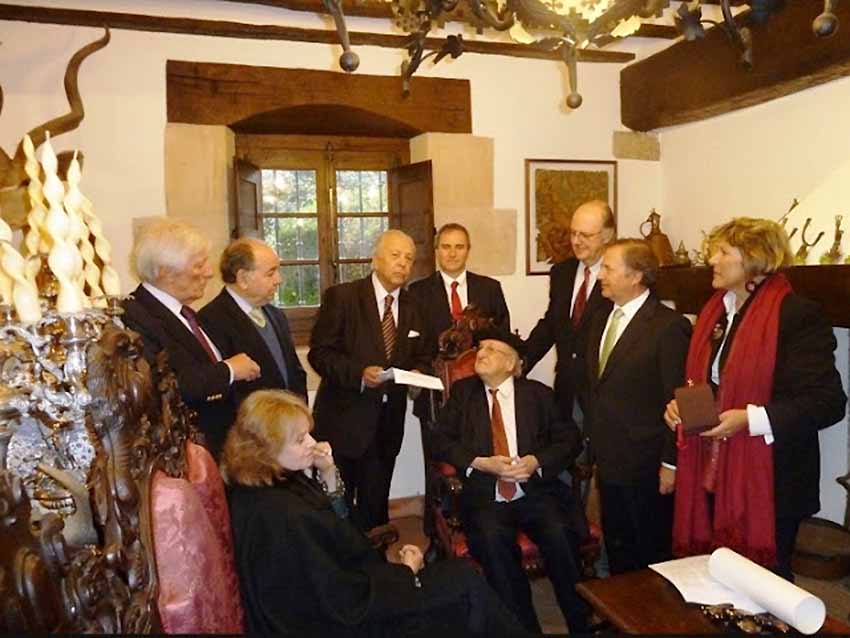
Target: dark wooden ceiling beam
x,y
383,9
220,28
691,81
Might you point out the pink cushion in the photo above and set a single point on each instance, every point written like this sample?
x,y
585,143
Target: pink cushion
x,y
199,588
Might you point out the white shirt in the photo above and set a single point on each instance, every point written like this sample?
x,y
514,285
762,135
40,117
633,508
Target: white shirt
x,y
629,309
593,273
759,421
174,306
244,306
505,394
381,294
462,289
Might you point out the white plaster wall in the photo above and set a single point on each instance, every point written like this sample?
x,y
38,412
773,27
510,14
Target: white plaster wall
x,y
519,103
754,162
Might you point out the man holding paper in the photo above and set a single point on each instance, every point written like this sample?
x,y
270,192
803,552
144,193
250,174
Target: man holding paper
x,y
365,327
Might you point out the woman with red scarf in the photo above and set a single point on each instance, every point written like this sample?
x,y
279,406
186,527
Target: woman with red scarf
x,y
768,354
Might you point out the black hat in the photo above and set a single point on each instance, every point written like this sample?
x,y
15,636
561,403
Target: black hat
x,y
495,334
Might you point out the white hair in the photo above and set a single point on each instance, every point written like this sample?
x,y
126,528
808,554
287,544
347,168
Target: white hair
x,y
164,243
387,234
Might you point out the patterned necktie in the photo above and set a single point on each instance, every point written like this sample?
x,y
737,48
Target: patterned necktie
x,y
192,319
610,340
258,317
388,327
500,445
581,298
457,309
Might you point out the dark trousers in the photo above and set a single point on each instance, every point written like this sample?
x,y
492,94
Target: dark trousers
x,y
637,524
368,477
786,537
492,534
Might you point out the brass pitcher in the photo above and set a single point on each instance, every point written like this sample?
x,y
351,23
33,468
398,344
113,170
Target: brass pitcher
x,y
658,241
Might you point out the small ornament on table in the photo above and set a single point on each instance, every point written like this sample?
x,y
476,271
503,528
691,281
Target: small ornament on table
x,y
833,255
680,257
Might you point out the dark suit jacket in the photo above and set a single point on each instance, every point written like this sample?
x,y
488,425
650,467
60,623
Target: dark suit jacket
x,y
556,328
233,332
345,340
483,292
463,432
628,436
430,295
807,397
204,386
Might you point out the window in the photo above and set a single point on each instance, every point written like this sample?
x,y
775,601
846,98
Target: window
x,y
324,204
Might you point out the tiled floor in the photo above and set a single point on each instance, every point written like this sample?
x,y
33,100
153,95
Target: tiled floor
x,y
406,515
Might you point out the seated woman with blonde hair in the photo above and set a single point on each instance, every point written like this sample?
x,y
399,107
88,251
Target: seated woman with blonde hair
x,y
305,570
767,353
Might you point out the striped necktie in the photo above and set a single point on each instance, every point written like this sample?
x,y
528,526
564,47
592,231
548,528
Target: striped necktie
x,y
388,329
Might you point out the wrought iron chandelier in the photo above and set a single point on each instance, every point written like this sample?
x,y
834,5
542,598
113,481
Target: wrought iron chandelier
x,y
564,27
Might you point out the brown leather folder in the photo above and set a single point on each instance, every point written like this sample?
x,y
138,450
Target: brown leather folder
x,y
696,408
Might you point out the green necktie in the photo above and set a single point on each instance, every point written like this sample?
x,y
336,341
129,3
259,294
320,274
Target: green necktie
x,y
610,339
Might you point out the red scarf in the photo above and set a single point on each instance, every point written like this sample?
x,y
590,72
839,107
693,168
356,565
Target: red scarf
x,y
740,469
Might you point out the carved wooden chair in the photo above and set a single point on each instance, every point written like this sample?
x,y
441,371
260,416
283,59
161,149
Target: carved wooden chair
x,y
118,553
456,360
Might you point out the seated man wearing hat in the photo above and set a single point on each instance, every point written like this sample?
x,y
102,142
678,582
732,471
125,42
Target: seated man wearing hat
x,y
508,441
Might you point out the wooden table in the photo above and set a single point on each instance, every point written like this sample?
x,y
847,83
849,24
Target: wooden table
x,y
644,602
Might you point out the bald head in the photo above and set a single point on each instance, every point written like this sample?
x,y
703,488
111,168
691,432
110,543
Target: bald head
x,y
591,229
393,259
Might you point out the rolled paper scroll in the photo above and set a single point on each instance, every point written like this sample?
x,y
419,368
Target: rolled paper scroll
x,y
786,601
63,257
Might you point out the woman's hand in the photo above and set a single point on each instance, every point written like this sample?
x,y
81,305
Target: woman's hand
x,y
323,458
731,422
671,415
412,556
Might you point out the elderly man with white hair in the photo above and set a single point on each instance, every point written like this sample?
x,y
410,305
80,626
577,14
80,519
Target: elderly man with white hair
x,y
365,327
171,259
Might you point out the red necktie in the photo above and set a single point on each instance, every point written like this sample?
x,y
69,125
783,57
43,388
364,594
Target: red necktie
x,y
388,328
457,309
581,298
500,445
192,319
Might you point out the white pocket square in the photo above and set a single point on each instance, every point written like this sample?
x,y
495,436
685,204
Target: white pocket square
x,y
412,334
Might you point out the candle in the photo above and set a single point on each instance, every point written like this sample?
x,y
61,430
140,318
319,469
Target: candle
x,y
34,241
78,234
110,282
24,294
63,256
5,280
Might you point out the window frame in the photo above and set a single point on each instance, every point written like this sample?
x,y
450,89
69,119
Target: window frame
x,y
325,155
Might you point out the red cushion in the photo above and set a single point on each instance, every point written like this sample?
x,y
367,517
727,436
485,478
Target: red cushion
x,y
199,588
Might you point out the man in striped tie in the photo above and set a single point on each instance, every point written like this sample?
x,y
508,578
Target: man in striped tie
x,y
507,440
365,327
171,258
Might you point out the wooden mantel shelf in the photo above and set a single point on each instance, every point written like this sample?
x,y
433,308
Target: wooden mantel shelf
x,y
690,288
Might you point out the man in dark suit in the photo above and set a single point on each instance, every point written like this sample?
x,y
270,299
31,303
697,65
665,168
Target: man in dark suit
x,y
574,298
242,319
365,327
443,296
635,360
172,261
508,442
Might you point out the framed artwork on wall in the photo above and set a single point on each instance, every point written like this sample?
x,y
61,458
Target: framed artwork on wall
x,y
553,190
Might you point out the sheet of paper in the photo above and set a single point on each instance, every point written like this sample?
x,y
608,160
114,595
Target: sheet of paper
x,y
407,377
693,580
728,577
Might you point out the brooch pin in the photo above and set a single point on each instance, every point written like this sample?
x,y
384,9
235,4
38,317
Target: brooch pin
x,y
717,333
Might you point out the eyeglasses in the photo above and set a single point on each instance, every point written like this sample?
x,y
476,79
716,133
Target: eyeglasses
x,y
575,234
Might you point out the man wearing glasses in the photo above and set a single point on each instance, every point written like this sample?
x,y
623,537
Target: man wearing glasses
x,y
574,298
